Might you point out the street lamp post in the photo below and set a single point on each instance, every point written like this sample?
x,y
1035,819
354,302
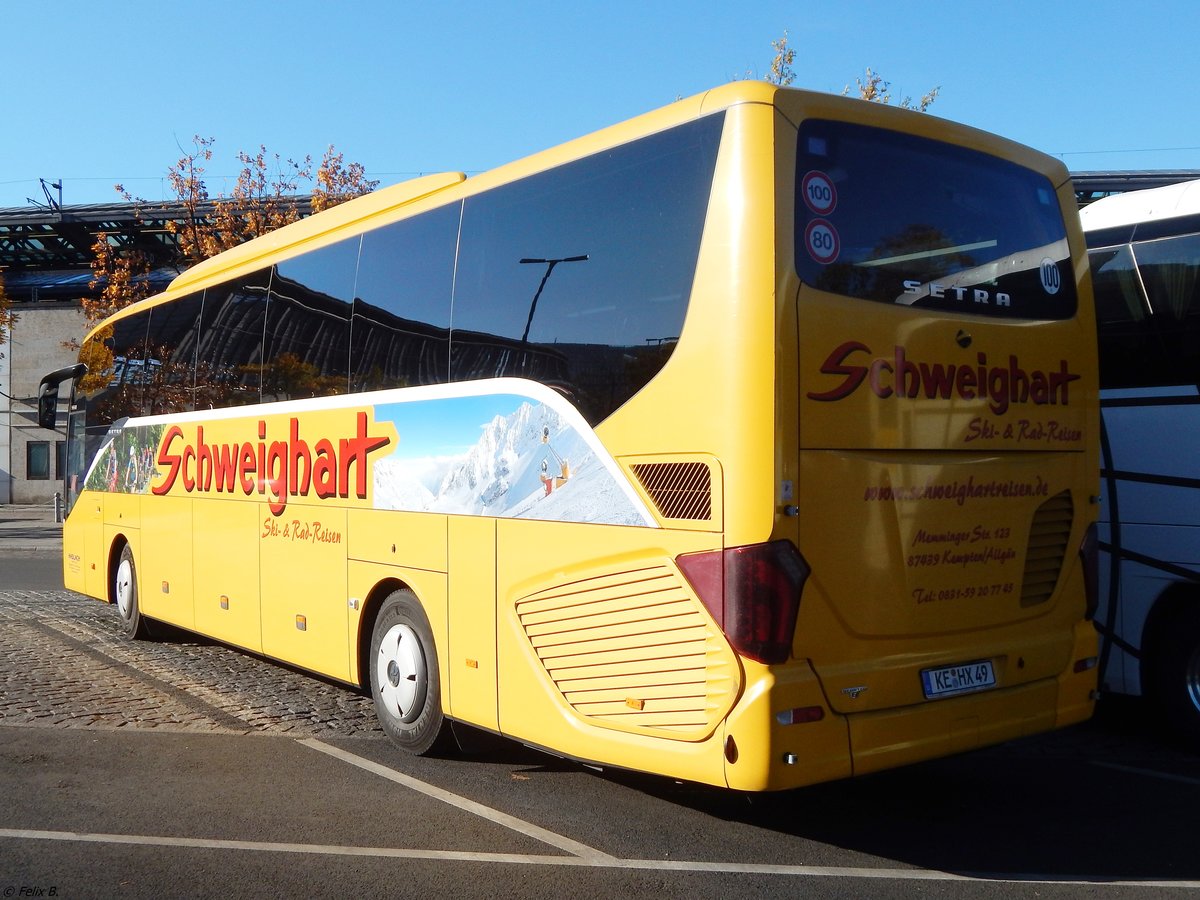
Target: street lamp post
x,y
549,264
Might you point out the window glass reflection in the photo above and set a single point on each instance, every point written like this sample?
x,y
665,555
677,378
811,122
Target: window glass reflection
x,y
1116,285
115,383
1148,310
113,388
307,346
400,335
230,342
1169,270
898,218
328,272
580,276
174,328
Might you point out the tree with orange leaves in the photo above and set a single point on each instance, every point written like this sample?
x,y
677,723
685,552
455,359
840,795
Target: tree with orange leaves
x,y
264,197
8,318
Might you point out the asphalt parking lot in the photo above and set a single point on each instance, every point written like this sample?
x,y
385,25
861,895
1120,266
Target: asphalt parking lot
x,y
184,767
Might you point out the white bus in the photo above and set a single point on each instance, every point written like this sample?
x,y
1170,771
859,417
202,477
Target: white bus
x,y
1145,259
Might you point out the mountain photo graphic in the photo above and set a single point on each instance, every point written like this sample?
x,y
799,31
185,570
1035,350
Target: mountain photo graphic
x,y
498,455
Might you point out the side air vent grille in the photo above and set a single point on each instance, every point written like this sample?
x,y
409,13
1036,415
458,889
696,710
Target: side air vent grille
x,y
1048,537
680,490
633,651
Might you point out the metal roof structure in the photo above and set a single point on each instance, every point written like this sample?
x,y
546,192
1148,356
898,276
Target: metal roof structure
x,y
1091,186
61,237
46,250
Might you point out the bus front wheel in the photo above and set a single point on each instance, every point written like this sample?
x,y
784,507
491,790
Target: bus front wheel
x,y
1177,673
405,684
125,594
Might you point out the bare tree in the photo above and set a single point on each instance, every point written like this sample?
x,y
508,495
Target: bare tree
x,y
878,90
875,88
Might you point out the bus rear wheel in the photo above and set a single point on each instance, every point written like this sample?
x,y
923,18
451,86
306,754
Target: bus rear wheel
x,y
1177,673
405,683
125,593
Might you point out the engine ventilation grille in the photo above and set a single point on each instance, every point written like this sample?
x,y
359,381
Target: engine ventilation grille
x,y
633,651
1048,537
680,490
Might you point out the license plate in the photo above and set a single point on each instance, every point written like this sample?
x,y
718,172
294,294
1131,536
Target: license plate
x,y
960,679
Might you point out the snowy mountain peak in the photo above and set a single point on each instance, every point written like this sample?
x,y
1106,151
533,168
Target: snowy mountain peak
x,y
503,453
501,475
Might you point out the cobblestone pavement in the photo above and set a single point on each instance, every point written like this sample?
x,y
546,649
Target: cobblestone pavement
x,y
64,663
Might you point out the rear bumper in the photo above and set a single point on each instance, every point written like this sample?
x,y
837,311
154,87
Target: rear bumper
x,y
783,756
897,737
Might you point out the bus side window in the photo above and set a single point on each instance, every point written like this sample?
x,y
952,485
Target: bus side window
x,y
115,384
1169,271
1123,316
229,343
307,350
580,276
400,332
174,327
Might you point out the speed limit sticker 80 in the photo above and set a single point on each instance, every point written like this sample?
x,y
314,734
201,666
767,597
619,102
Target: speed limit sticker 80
x,y
822,241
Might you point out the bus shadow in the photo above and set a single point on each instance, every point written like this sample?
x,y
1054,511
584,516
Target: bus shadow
x,y
1102,802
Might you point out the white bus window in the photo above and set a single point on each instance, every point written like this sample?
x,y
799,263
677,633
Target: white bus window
x,y
1169,269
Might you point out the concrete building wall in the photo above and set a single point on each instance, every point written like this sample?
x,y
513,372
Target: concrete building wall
x,y
5,404
34,348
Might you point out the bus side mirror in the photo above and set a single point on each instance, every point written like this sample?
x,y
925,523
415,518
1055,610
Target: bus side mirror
x,y
47,399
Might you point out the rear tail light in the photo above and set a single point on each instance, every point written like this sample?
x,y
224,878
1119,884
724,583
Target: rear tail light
x,y
753,594
801,715
1089,556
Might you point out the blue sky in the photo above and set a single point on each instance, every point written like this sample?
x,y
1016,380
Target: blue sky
x,y
450,426
98,93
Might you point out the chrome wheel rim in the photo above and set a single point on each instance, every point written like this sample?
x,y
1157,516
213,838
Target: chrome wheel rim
x,y
401,674
124,589
1191,678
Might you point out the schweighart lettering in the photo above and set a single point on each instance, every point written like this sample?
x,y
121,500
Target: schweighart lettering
x,y
277,469
896,376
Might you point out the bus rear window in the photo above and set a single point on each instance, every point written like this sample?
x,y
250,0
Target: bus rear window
x,y
910,221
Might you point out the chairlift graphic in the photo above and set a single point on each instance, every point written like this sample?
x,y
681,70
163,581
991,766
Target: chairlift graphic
x,y
551,482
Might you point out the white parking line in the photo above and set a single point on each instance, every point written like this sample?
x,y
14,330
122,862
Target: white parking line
x,y
143,840
1149,773
605,862
492,815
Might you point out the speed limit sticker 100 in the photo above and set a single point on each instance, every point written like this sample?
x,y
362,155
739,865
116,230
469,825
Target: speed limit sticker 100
x,y
822,241
819,192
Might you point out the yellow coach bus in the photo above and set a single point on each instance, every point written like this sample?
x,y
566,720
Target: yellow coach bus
x,y
751,441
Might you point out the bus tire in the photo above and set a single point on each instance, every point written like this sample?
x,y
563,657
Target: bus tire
x,y
405,682
1177,672
125,595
